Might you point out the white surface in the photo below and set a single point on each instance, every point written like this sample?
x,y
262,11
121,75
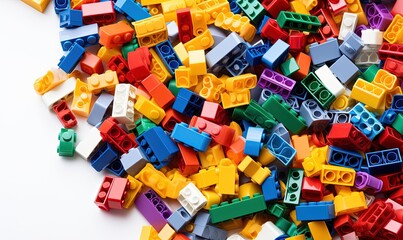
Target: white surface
x,y
44,196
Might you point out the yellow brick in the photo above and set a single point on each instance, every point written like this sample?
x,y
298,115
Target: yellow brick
x,y
212,8
253,226
184,79
265,156
319,230
201,42
167,233
212,156
205,178
236,23
235,99
231,224
81,99
354,6
309,4
298,237
337,175
150,2
385,80
149,109
313,165
394,32
241,82
198,21
212,198
349,204
158,68
197,62
154,179
151,31
298,7
329,197
105,54
39,5
248,189
342,102
368,93
50,80
182,54
293,217
227,178
149,233
169,9
135,188
253,169
283,188
106,81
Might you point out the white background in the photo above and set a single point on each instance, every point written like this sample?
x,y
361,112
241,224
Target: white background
x,y
44,196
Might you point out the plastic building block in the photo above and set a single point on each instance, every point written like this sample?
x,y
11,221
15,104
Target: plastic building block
x,y
160,93
68,62
398,123
116,34
184,79
372,37
149,176
149,109
364,181
227,178
157,146
103,157
345,158
276,54
394,33
107,53
106,81
337,175
282,112
312,189
112,193
179,219
235,99
50,80
254,138
345,70
365,121
100,108
151,31
390,138
315,118
270,232
70,18
297,21
252,8
289,67
348,24
98,12
205,178
220,134
319,230
236,23
149,233
133,161
81,99
254,170
214,112
190,137
64,114
315,211
391,50
338,116
134,189
273,7
304,62
139,62
153,209
324,52
67,139
349,203
272,31
343,225
116,136
281,149
88,146
294,186
378,16
276,83
379,213
237,208
132,9
313,165
188,103
380,80
301,145
329,28
91,63
384,161
394,67
39,5
191,199
173,31
197,62
61,92
370,73
185,26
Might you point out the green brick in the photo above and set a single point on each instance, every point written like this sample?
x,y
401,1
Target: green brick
x,y
237,114
172,87
283,112
129,47
237,208
258,115
283,224
67,140
143,124
253,9
277,209
318,91
370,73
298,21
294,186
289,67
398,123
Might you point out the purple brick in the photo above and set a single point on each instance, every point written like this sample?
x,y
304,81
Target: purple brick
x,y
359,28
365,181
153,209
276,83
378,16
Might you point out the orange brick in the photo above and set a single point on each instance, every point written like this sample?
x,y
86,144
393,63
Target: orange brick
x,y
301,145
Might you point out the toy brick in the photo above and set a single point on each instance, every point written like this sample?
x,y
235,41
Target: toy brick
x,y
271,187
88,145
50,80
394,67
81,99
301,145
297,21
345,158
254,170
103,156
378,16
273,7
100,108
254,54
153,209
346,136
70,18
391,50
188,103
105,81
272,31
315,118
365,121
150,28
367,57
102,197
39,5
276,54
197,62
91,63
115,34
67,139
372,37
384,161
324,52
116,169
68,62
315,211
269,232
364,181
254,138
252,8
148,233
345,70
256,113
64,114
237,66
276,83
294,186
312,189
319,230
281,131
133,161
226,21
61,92
281,149
329,81
202,42
348,24
337,175
116,136
394,31
132,9
179,219
173,31
282,112
185,26
98,12
117,194
191,199
191,137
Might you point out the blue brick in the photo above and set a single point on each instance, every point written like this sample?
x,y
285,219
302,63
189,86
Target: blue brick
x,y
345,70
168,56
271,187
179,218
188,103
337,116
345,158
384,161
235,9
294,103
315,211
352,45
68,62
388,117
237,66
397,103
299,92
254,141
210,232
264,95
132,9
254,54
71,18
116,168
85,36
61,5
190,137
103,157
99,110
324,52
276,54
281,149
133,161
282,131
262,23
157,146
365,121
315,118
